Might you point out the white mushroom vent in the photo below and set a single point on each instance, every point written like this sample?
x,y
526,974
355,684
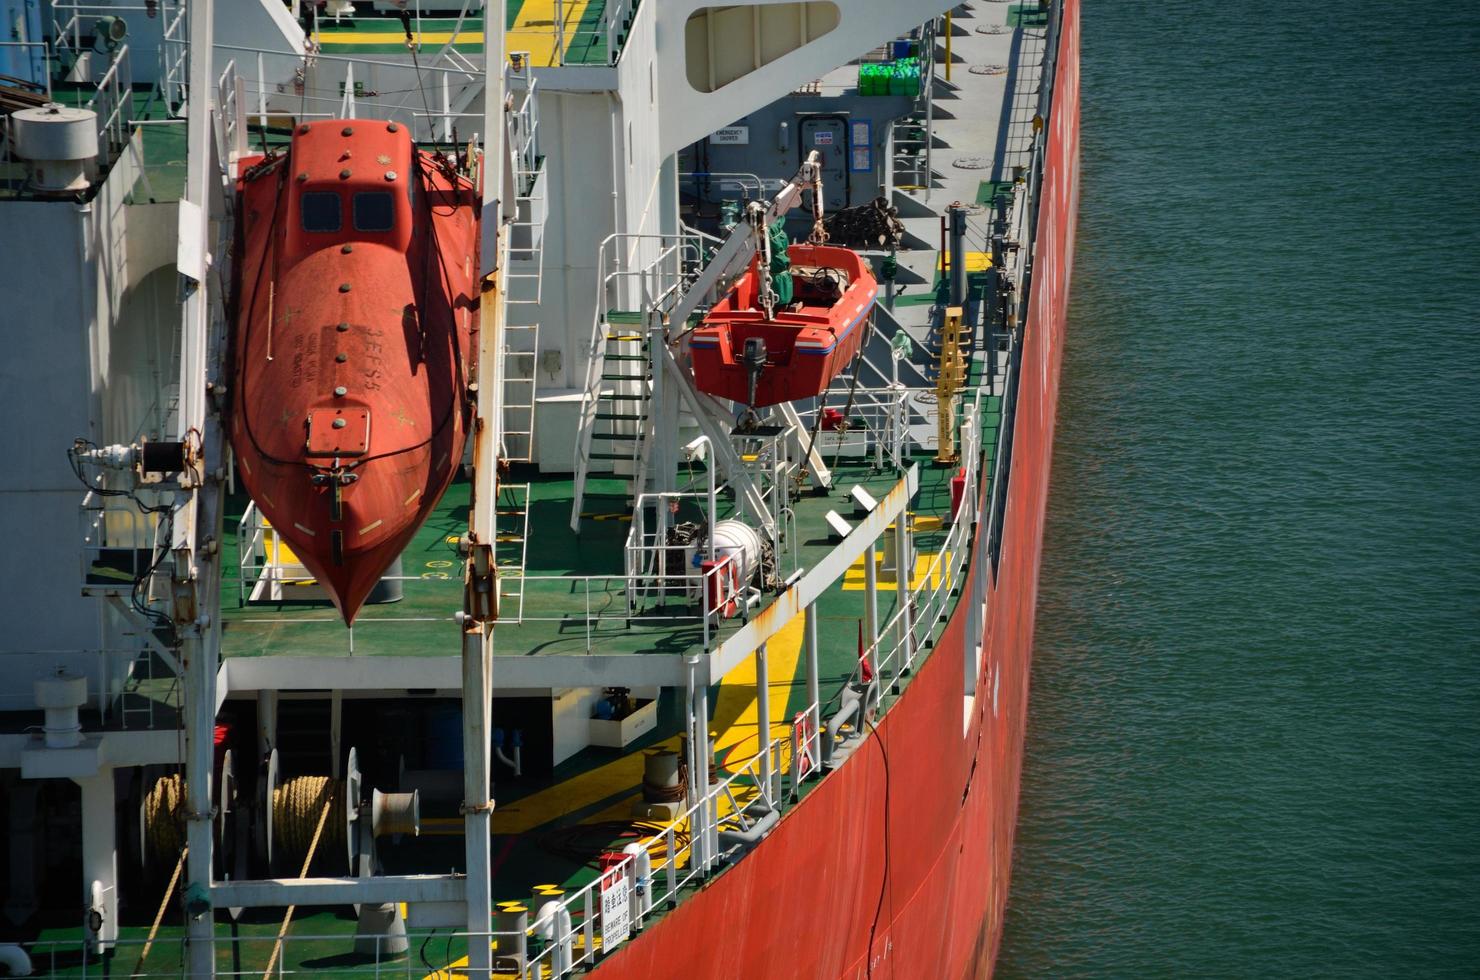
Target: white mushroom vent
x,y
60,696
58,144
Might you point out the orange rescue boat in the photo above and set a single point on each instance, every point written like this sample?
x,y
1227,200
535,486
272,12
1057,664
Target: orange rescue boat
x,y
354,317
742,354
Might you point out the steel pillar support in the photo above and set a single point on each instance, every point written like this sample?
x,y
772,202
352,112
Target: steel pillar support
x,y
871,600
904,567
480,601
814,680
662,421
267,716
197,515
100,855
477,806
697,839
763,720
704,757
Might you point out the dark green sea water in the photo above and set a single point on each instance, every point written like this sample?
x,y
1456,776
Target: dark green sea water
x,y
1254,740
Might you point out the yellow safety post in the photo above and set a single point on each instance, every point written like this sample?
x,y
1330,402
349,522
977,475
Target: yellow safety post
x,y
948,45
950,376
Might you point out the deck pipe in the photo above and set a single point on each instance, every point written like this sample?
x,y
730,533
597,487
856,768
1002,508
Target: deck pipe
x,y
741,841
854,702
15,960
552,927
642,874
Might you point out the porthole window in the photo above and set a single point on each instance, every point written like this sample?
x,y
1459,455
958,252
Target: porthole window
x,y
320,211
374,211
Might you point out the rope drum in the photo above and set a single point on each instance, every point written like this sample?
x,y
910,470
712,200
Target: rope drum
x,y
164,820
296,806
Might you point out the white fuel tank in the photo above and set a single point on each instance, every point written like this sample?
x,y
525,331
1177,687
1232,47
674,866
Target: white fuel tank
x,y
58,144
737,538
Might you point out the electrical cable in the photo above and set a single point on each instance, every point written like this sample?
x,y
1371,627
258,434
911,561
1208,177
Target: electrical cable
x,y
412,43
884,884
422,952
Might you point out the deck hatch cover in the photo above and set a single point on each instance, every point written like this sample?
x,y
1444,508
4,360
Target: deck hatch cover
x,y
350,439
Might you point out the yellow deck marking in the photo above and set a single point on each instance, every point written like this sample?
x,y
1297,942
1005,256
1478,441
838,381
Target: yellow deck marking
x,y
734,717
975,261
534,30
855,579
736,707
341,38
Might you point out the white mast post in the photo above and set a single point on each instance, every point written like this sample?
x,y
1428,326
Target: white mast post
x,y
481,581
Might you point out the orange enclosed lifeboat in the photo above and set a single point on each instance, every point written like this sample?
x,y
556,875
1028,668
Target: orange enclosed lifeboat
x,y
741,354
354,317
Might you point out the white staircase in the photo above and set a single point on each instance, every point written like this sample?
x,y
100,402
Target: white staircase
x,y
615,421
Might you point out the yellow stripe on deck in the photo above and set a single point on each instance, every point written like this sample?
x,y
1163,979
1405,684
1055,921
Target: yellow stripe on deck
x,y
975,262
735,717
737,708
534,30
855,579
336,39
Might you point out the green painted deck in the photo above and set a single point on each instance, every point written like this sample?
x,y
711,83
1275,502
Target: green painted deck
x,y
570,598
530,26
548,830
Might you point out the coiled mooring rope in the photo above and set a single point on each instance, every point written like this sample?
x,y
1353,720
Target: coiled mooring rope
x,y
295,813
290,797
164,817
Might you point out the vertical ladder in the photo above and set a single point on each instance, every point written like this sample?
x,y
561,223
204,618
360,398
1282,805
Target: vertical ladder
x,y
615,419
511,545
520,366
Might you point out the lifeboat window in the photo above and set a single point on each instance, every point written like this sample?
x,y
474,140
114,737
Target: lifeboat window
x,y
374,211
320,211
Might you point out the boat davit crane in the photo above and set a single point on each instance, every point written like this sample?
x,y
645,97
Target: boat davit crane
x,y
796,317
354,317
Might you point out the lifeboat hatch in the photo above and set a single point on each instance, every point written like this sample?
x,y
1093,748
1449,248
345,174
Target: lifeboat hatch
x,y
338,432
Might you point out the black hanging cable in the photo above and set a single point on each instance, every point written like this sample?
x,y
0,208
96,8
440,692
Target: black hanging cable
x,y
412,43
884,883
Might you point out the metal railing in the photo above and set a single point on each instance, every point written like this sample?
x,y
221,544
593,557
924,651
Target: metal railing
x,y
114,104
549,43
600,605
751,187
326,89
47,59
899,641
112,99
879,421
247,956
661,865
118,543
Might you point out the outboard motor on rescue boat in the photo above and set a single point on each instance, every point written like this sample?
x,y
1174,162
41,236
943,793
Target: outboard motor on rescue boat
x,y
754,359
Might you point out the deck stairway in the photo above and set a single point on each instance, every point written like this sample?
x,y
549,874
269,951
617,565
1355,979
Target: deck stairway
x,y
614,421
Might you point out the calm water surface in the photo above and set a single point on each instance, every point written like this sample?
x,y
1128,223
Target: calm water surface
x,y
1254,742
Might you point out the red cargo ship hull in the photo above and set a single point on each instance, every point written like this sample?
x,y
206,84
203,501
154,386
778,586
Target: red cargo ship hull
x,y
354,312
806,346
897,865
